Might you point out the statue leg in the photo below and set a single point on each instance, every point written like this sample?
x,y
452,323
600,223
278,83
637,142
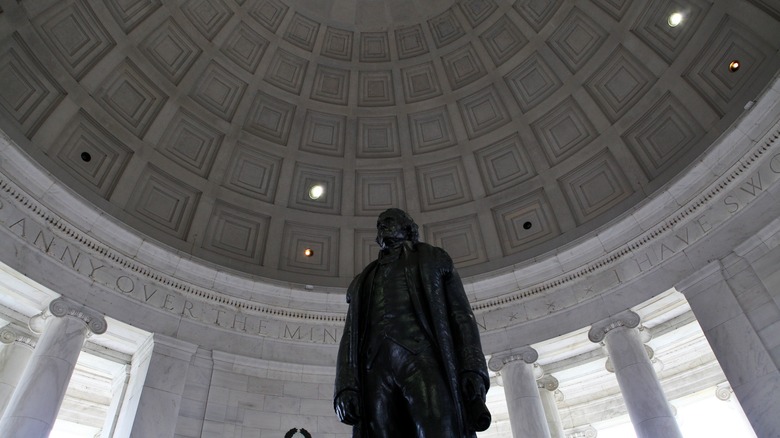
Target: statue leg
x,y
428,396
385,413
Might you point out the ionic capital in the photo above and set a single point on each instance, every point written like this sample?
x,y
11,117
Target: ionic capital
x,y
94,321
723,392
10,335
547,382
582,432
600,329
526,354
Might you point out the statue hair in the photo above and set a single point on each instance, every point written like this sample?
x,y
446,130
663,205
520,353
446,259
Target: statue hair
x,y
412,230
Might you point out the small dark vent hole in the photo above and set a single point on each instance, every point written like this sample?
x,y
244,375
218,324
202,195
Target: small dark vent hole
x,y
527,226
86,157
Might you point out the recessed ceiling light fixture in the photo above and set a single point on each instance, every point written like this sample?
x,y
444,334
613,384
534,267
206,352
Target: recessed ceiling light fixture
x,y
308,252
316,191
675,19
734,66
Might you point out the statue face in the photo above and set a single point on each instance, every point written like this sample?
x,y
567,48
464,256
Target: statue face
x,y
390,230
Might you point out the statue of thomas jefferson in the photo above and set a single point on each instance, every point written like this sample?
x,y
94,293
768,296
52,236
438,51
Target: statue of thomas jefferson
x,y
410,363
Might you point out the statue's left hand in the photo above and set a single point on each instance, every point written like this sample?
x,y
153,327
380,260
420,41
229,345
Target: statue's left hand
x,y
347,406
472,386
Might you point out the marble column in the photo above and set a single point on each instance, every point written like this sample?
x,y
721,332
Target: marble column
x,y
33,407
740,318
645,400
547,385
526,413
13,360
154,393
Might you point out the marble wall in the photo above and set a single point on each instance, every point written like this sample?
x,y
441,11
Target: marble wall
x,y
227,395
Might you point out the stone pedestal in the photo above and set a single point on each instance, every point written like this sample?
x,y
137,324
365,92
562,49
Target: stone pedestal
x,y
547,386
33,408
647,406
14,358
526,413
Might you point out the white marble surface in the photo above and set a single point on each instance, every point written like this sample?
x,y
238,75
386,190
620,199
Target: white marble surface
x,y
33,408
14,358
639,385
526,413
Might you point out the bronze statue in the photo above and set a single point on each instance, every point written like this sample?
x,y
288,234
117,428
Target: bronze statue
x,y
410,363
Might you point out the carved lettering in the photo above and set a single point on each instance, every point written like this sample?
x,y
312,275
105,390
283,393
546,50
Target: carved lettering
x,y
327,334
73,261
125,284
236,321
290,334
219,313
705,226
260,326
46,246
92,273
639,262
684,240
20,223
754,188
188,308
665,248
728,203
774,166
147,295
167,301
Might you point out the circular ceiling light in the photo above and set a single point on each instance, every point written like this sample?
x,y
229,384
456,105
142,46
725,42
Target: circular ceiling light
x,y
316,191
308,252
733,66
675,19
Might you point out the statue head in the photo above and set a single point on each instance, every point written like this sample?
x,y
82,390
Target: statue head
x,y
393,227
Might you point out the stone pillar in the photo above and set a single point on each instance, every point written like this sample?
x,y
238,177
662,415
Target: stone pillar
x,y
645,400
526,413
154,394
118,391
547,385
13,360
741,320
33,407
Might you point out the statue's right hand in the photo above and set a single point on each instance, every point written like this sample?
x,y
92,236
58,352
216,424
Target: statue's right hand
x,y
347,406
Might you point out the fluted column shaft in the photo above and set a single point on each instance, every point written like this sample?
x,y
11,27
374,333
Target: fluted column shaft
x,y
645,400
547,386
33,407
526,413
13,360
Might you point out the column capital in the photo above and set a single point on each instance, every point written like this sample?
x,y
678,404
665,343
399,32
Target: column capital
x,y
723,392
526,354
600,329
582,432
547,382
94,321
12,335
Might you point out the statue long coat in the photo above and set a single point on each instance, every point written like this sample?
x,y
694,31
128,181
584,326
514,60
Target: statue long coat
x,y
443,311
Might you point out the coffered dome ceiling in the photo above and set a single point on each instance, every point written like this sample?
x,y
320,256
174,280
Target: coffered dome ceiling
x,y
506,129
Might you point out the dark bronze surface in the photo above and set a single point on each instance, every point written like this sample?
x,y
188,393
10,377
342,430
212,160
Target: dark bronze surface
x,y
410,361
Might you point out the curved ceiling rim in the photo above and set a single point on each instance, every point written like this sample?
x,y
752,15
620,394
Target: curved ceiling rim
x,y
319,280
546,272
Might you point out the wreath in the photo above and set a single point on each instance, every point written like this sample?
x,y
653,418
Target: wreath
x,y
292,432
